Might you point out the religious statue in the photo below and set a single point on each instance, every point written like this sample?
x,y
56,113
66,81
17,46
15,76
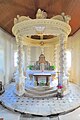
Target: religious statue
x,y
41,14
42,64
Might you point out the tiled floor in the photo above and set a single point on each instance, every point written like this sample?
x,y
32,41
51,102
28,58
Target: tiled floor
x,y
42,106
9,115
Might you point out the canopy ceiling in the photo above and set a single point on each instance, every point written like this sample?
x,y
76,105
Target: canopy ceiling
x,y
9,9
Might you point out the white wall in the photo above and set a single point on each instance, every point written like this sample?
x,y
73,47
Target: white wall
x,y
74,46
49,54
7,43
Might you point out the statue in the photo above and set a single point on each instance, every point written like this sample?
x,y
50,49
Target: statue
x,y
41,14
42,64
66,18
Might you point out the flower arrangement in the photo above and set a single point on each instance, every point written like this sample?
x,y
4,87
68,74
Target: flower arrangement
x,y
53,67
60,86
59,91
30,67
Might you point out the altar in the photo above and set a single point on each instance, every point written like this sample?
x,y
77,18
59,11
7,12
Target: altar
x,y
41,76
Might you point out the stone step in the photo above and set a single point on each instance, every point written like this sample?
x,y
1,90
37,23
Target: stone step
x,y
34,91
42,88
38,95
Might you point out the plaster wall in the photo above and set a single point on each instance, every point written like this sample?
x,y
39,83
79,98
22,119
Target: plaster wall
x,y
74,47
7,43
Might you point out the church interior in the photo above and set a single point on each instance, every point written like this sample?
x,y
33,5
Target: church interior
x,y
39,60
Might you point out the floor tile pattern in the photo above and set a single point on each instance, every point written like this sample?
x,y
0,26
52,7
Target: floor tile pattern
x,y
41,106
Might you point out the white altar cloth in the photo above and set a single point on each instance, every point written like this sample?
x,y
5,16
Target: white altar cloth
x,y
45,72
42,73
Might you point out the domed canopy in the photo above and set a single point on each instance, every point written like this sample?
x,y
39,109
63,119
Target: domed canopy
x,y
41,27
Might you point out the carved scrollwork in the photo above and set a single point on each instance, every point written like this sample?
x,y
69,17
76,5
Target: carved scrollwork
x,y
62,17
20,19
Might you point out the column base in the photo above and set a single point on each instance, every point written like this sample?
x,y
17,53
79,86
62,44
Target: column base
x,y
20,89
19,93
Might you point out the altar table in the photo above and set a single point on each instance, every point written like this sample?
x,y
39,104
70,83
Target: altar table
x,y
37,74
42,74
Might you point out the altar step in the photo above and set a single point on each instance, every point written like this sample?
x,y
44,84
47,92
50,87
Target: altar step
x,y
43,88
41,92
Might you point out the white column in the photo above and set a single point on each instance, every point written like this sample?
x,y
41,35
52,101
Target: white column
x,y
54,55
62,59
25,58
65,47
57,56
66,74
20,82
28,55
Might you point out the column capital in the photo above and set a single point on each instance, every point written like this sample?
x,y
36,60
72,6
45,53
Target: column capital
x,y
19,38
63,37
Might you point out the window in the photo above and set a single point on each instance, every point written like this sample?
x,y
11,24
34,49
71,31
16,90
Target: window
x,y
15,59
68,59
1,59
